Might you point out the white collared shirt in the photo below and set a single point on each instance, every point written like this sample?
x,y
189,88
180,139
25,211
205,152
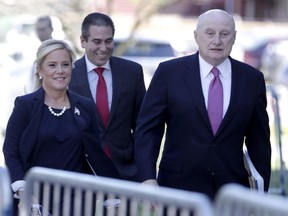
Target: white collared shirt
x,y
93,79
225,76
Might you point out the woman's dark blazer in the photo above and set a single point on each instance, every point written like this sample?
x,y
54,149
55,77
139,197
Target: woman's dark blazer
x,y
25,121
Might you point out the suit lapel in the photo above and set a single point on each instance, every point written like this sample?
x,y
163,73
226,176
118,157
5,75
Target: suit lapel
x,y
82,78
237,87
193,83
77,109
117,80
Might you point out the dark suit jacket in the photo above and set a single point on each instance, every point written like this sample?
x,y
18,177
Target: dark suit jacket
x,y
128,92
193,158
22,131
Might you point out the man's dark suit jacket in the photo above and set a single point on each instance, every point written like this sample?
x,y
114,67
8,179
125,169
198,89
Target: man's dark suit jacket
x,y
25,121
128,92
193,158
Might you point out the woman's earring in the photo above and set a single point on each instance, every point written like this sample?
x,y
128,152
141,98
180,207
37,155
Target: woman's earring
x,y
40,77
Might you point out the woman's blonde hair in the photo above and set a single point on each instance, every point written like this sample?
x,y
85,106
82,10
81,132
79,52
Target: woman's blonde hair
x,y
44,49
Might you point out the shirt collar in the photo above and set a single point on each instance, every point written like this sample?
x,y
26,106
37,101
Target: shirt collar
x,y
224,67
90,66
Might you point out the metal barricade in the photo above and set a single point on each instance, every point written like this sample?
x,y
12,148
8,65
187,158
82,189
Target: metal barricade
x,y
67,193
5,193
278,134
236,200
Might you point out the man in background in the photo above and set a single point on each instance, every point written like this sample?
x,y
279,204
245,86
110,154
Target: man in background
x,y
123,86
44,28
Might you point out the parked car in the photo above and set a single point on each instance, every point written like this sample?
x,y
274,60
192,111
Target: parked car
x,y
253,54
274,59
147,52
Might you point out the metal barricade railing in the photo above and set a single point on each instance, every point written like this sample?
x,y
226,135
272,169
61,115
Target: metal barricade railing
x,y
236,200
5,193
278,134
66,193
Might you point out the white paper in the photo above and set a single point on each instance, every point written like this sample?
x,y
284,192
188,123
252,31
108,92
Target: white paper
x,y
255,179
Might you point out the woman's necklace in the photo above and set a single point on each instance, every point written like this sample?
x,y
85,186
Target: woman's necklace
x,y
57,114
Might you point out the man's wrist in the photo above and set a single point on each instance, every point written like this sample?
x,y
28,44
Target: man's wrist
x,y
17,185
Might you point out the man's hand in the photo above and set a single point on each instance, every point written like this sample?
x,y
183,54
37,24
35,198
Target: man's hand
x,y
150,182
35,207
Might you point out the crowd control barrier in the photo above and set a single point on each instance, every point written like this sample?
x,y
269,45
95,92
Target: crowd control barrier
x,y
5,193
236,200
278,135
56,192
